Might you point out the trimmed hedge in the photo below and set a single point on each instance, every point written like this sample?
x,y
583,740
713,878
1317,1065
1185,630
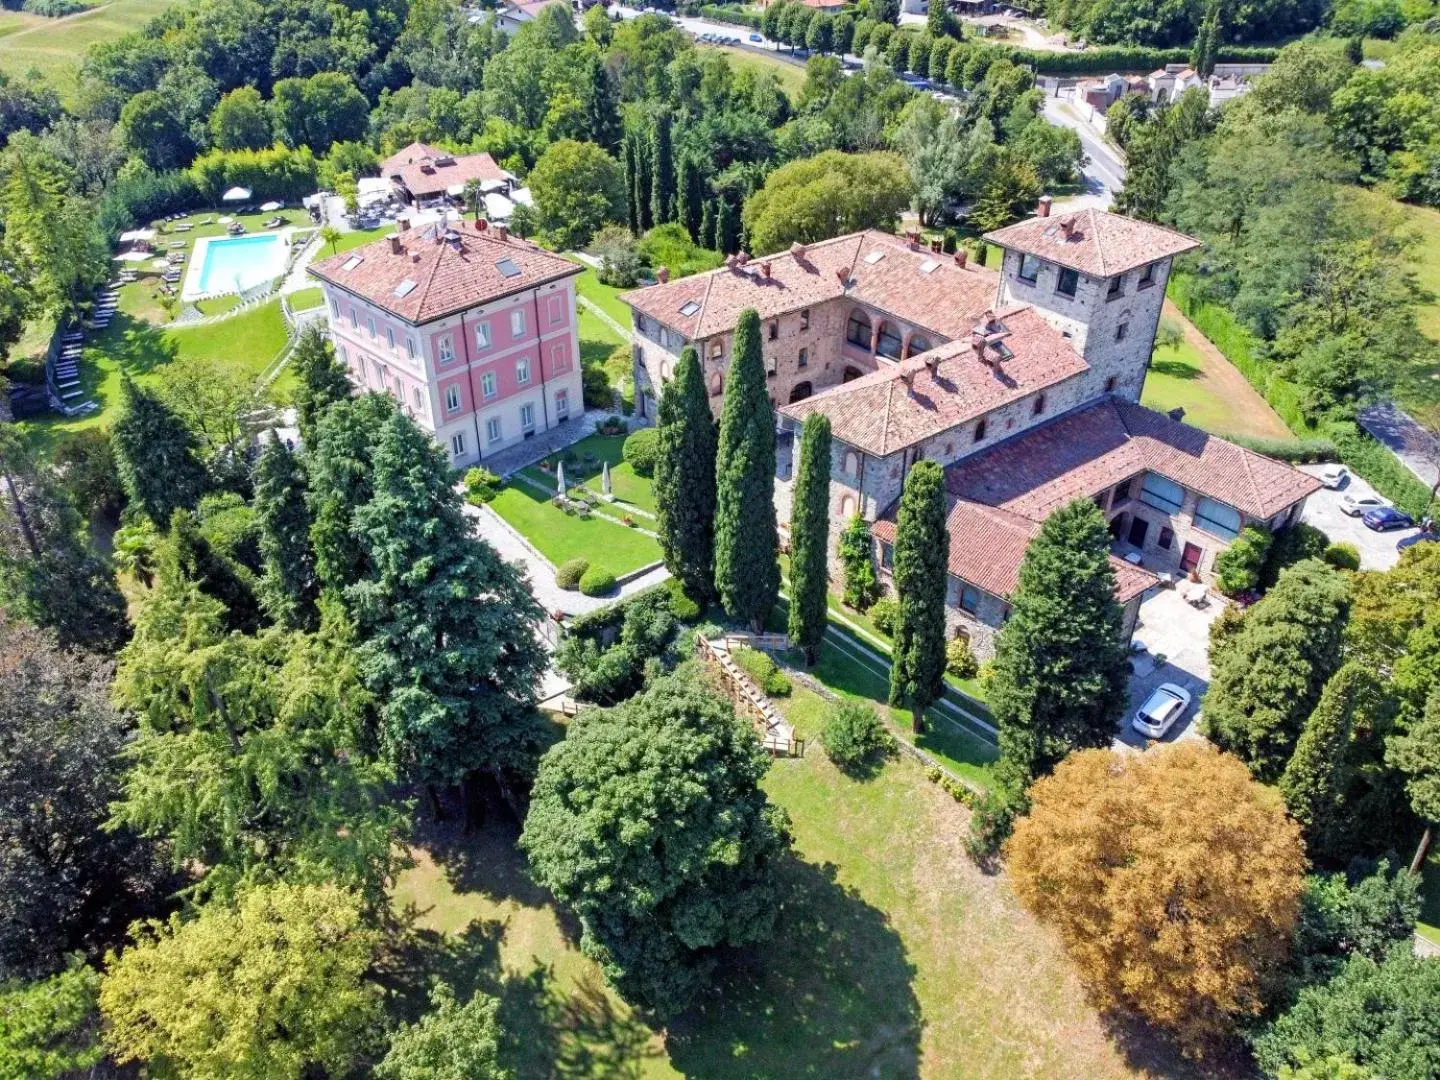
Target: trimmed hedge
x,y
1295,451
641,449
1103,60
763,670
597,581
736,15
1343,556
568,575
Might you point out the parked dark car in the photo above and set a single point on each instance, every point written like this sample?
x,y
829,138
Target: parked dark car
x,y
1418,538
1385,518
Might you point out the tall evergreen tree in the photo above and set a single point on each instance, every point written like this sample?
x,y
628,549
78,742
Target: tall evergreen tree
x,y
448,630
690,195
662,170
338,463
321,380
1314,780
747,568
627,168
1061,665
644,175
706,238
1416,753
156,455
1207,41
48,573
685,478
188,558
937,19
289,589
810,538
602,107
727,227
922,558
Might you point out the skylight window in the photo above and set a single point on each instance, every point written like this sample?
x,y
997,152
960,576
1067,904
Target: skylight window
x,y
405,288
874,257
689,308
352,262
929,266
508,268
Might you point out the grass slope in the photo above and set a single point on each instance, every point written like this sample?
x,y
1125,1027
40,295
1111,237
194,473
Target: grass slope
x,y
790,76
560,537
56,47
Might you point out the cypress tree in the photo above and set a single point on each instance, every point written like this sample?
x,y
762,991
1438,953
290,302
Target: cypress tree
x,y
707,226
1061,666
937,19
685,478
289,589
156,455
810,538
690,196
642,181
627,164
189,558
922,557
602,111
747,568
662,171
1314,780
321,380
727,227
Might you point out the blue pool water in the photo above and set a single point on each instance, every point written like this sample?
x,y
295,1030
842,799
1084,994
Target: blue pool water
x,y
238,262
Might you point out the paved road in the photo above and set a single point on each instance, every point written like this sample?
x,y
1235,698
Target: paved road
x,y
1411,443
1104,172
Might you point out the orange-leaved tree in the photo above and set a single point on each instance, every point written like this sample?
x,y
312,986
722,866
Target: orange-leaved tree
x,y
1172,877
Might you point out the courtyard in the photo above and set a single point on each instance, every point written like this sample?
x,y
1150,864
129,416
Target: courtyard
x,y
1171,645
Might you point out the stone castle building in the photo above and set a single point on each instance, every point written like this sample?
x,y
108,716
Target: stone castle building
x,y
1024,383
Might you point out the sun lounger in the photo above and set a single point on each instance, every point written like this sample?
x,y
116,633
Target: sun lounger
x,y
274,223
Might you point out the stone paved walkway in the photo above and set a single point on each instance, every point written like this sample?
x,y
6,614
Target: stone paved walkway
x,y
515,458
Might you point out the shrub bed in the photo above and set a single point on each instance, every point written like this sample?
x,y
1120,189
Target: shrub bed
x,y
641,449
597,581
763,670
853,736
569,574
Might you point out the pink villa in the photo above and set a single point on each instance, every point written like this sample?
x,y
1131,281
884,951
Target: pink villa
x,y
471,330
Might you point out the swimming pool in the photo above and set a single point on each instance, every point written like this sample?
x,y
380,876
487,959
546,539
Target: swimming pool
x,y
236,263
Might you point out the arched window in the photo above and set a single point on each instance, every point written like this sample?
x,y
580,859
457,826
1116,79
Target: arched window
x,y
847,506
889,344
918,344
857,330
852,463
717,384
800,392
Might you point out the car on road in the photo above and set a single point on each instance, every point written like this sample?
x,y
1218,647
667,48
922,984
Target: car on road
x,y
1426,537
1386,518
1166,704
1334,476
1354,505
757,37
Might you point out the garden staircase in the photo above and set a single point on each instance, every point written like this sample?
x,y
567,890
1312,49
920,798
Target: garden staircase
x,y
776,736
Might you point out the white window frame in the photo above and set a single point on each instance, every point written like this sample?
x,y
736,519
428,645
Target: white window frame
x,y
452,398
562,405
522,371
334,307
390,336
517,322
493,431
354,318
487,385
457,444
370,324
416,397
446,349
410,347
527,416
482,336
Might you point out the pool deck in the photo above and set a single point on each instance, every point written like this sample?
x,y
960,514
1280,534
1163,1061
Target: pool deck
x,y
195,264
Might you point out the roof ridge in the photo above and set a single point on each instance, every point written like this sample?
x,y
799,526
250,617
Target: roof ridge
x,y
1099,242
704,300
885,420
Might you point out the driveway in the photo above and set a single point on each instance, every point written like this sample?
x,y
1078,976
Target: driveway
x,y
1377,549
1176,637
1103,172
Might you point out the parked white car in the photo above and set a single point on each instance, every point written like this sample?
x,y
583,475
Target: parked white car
x,y
1166,704
1355,505
1334,476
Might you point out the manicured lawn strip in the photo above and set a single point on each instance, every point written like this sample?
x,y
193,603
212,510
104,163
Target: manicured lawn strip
x,y
305,299
603,296
1178,378
561,537
350,240
625,484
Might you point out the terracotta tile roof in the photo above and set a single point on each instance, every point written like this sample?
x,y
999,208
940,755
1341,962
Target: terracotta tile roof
x,y
442,277
1093,241
912,283
951,384
429,176
1082,454
404,156
987,545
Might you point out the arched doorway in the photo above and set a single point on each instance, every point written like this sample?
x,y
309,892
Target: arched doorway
x,y
889,344
800,392
851,374
857,330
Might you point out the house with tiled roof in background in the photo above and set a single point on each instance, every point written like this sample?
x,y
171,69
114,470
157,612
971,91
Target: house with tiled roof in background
x,y
470,329
1023,381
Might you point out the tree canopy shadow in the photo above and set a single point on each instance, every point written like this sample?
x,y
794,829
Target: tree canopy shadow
x,y
1150,1052
1176,369
831,996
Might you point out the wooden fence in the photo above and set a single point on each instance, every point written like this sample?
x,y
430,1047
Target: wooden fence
x,y
776,735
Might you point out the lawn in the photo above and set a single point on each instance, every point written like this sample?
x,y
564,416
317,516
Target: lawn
x,y
894,956
56,47
790,76
605,297
305,299
561,537
583,468
353,239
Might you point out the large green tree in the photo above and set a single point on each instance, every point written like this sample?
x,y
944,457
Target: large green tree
x,y
649,822
824,196
320,380
274,987
810,538
320,110
341,475
289,590
1268,673
1416,754
662,170
51,1026
685,478
157,456
452,1041
48,572
921,570
188,557
747,567
1061,665
577,188
449,639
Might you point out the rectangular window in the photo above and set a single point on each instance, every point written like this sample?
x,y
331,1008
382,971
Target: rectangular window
x,y
517,322
452,398
370,324
969,598
1067,282
1147,277
1167,538
334,307
1122,331
887,555
555,310
805,319
774,329
390,336
492,429
1162,494
522,371
1217,518
717,348
527,419
482,336
1029,269
399,391
415,396
354,319
1116,288
559,361
447,349
410,348
457,443
487,385
980,431
344,355
804,360
562,404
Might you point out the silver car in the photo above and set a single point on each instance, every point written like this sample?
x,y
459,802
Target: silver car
x,y
1166,704
1355,505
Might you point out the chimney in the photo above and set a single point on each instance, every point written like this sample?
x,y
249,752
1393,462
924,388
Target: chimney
x,y
662,275
932,361
797,249
977,342
742,258
843,276
1043,210
961,257
395,248
765,270
481,224
401,224
914,238
502,233
1067,225
937,246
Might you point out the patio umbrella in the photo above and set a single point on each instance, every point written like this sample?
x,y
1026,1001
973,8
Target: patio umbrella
x,y
560,477
236,194
266,208
605,478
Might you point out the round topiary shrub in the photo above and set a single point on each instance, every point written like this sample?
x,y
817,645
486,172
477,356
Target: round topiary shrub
x,y
854,736
597,581
960,659
884,613
569,573
1343,556
641,449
